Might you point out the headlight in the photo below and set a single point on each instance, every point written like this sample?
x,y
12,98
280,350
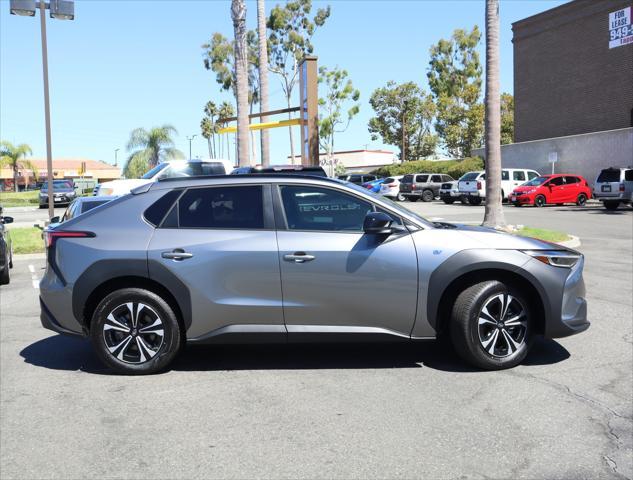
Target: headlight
x,y
531,191
556,258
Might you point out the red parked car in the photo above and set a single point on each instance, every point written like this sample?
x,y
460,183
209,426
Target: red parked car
x,y
558,189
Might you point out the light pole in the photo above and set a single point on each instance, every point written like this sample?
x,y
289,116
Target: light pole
x,y
116,151
190,139
62,10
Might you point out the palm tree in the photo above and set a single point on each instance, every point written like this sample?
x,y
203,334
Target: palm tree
x,y
263,78
493,216
152,147
13,157
238,15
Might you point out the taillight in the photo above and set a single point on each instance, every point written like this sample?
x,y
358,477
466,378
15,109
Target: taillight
x,y
621,187
413,186
52,236
478,185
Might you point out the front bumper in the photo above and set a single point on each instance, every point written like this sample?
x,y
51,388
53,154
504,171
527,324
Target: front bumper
x,y
522,199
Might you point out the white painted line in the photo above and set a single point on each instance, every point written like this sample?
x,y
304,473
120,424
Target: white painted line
x,y
31,269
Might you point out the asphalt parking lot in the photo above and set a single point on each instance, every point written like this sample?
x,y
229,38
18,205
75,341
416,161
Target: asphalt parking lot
x,y
410,411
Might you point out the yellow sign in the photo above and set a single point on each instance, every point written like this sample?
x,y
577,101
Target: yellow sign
x,y
263,126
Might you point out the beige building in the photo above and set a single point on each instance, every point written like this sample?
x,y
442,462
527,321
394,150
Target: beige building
x,y
356,161
69,168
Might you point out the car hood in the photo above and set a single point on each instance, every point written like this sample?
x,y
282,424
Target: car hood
x,y
523,188
483,237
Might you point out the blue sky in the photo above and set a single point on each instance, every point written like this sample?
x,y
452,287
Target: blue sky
x,y
126,64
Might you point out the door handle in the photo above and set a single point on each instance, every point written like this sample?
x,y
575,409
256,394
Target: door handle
x,y
176,254
299,257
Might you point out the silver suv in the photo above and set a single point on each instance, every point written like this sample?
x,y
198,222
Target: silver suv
x,y
282,258
614,186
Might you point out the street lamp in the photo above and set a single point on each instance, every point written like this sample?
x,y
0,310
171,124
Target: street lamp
x,y
61,10
116,151
190,139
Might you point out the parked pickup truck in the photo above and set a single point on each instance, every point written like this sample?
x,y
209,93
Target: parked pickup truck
x,y
473,184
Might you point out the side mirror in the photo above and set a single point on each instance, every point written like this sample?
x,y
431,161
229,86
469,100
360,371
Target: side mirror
x,y
377,223
6,220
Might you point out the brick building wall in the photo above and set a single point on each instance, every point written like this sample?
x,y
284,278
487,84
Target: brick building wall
x,y
566,79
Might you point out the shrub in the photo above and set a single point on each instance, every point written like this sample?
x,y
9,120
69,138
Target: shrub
x,y
454,168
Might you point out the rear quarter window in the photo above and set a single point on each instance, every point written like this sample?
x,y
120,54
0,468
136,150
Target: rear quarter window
x,y
157,210
628,175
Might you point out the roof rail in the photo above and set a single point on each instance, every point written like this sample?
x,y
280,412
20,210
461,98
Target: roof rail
x,y
249,175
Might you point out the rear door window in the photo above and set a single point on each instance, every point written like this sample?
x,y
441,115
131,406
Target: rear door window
x,y
518,175
238,207
609,175
422,178
570,179
556,181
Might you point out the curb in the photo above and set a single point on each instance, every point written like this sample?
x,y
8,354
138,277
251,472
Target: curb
x,y
573,243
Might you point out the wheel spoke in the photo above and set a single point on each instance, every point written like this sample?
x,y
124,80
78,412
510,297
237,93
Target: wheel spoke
x,y
148,350
516,321
156,328
506,303
130,307
486,314
120,347
483,320
115,325
490,344
512,344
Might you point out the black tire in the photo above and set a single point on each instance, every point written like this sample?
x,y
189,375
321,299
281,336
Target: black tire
x,y
400,198
474,200
43,206
464,200
469,337
4,275
448,201
581,201
166,348
611,205
428,196
413,199
539,201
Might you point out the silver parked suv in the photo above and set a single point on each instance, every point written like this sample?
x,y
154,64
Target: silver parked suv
x,y
614,186
284,258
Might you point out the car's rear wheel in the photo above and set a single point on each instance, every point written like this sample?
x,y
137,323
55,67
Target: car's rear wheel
x,y
4,274
474,200
581,201
427,196
134,331
539,201
491,325
401,198
611,205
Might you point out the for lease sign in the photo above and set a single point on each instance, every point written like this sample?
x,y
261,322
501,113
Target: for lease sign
x,y
620,28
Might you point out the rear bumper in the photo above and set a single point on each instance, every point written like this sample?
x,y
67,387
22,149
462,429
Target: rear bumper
x,y
450,195
50,322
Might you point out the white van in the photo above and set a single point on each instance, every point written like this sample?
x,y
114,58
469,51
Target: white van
x,y
473,184
171,169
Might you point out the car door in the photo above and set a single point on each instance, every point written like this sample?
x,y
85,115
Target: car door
x,y
220,243
335,277
572,188
436,183
518,178
556,188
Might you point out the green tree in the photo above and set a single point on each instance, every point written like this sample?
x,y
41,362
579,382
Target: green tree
x,y
209,126
338,91
13,156
404,116
493,215
454,77
290,39
507,118
149,148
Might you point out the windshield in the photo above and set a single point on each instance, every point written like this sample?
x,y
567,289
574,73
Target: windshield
x,y
63,186
535,182
393,205
154,171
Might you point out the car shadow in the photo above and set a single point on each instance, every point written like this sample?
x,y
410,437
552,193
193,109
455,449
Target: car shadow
x,y
60,352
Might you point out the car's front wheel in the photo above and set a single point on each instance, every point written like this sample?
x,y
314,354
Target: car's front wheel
x,y
491,325
134,331
540,201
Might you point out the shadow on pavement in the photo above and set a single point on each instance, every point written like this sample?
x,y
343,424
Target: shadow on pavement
x,y
68,353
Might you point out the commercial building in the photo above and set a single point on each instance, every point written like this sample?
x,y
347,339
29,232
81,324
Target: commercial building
x,y
573,89
91,171
355,161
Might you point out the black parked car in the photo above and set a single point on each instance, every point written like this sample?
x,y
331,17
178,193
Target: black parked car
x,y
6,250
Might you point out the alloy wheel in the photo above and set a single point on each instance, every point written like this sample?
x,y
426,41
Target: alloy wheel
x,y
133,332
502,326
539,201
